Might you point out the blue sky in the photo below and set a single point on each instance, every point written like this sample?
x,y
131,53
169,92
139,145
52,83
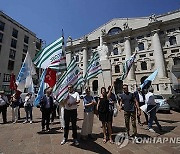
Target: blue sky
x,y
47,18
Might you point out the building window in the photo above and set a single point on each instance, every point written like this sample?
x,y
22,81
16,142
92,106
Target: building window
x,y
25,48
141,56
15,33
141,46
1,37
12,54
143,65
2,24
13,43
151,54
172,40
176,61
77,58
11,65
38,45
174,51
123,58
115,51
26,39
117,59
23,57
6,77
117,69
115,30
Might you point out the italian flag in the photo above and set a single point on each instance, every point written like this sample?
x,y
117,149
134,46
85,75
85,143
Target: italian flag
x,y
94,67
52,56
73,76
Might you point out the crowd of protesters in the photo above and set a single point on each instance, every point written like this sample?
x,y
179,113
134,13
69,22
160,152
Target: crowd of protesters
x,y
105,107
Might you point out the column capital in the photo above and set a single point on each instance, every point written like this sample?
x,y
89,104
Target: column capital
x,y
127,38
155,31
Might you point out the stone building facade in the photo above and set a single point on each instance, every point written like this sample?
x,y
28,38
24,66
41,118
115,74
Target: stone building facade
x,y
156,39
15,41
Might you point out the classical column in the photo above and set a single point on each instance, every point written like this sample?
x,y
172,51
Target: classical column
x,y
68,57
158,54
127,49
85,60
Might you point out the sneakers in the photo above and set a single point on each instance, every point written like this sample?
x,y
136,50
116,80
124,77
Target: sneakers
x,y
63,141
76,142
25,122
151,130
30,122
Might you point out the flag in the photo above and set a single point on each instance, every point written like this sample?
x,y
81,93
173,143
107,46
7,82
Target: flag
x,y
40,93
94,67
50,77
52,56
149,79
24,79
12,85
73,76
127,66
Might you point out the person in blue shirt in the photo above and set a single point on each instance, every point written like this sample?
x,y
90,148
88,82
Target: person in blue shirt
x,y
88,102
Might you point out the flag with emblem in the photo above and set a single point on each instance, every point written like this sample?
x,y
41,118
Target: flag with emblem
x,y
127,66
50,77
73,76
52,56
94,67
24,79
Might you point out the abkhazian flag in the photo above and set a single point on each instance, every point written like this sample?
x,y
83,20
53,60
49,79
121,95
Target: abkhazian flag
x,y
94,67
73,76
52,56
42,87
24,79
127,66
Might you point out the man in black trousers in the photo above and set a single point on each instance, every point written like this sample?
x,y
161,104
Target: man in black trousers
x,y
46,106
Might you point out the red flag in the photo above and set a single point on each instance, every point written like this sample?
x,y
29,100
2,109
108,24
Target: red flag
x,y
13,85
50,77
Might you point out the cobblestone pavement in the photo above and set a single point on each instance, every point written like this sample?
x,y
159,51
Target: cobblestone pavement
x,y
28,139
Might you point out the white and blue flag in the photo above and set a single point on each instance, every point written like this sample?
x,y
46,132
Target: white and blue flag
x,y
24,79
42,87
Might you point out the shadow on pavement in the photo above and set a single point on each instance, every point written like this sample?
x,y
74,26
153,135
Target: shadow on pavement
x,y
165,129
168,121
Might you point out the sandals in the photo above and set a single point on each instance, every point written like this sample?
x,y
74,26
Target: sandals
x,y
104,140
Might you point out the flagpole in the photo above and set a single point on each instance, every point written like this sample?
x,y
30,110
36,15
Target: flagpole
x,y
103,78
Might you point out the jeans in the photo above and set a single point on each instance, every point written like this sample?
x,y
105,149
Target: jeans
x,y
152,113
70,115
28,110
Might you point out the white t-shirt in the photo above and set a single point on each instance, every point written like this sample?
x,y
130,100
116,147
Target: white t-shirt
x,y
73,97
149,99
2,102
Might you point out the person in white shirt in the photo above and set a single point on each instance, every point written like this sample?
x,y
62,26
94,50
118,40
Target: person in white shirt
x,y
70,113
151,110
28,105
3,106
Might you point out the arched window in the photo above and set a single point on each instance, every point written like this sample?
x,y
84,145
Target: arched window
x,y
117,69
143,65
172,40
115,51
115,30
176,61
141,46
77,58
95,86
